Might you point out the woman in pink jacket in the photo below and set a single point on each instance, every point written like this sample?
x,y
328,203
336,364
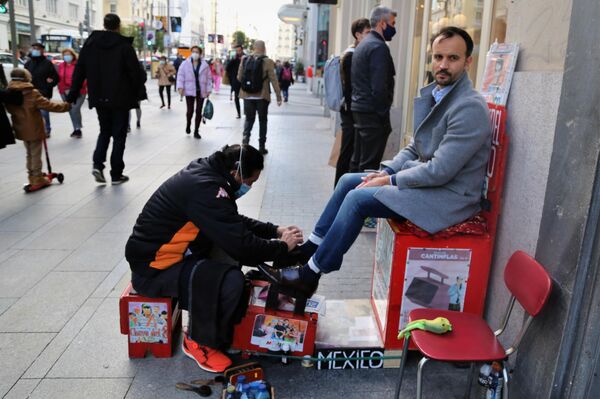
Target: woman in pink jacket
x,y
195,82
65,72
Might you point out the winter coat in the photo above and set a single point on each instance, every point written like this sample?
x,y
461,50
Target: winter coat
x,y
186,79
26,119
163,72
269,77
110,65
284,83
195,209
6,131
232,70
440,174
65,72
372,76
41,68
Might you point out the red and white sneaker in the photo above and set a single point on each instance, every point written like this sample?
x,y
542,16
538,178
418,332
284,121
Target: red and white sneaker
x,y
208,359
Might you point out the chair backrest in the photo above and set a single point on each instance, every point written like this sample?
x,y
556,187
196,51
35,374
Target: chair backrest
x,y
528,282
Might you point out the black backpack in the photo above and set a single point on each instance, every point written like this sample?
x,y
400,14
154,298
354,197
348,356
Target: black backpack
x,y
252,78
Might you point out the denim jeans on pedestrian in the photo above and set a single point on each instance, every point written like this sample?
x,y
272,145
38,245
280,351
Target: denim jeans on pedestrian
x,y
343,217
46,116
75,111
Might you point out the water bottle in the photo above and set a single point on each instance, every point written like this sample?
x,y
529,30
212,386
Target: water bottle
x,y
230,392
239,386
262,392
496,382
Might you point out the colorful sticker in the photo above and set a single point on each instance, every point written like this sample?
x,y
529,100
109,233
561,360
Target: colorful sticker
x,y
272,332
148,322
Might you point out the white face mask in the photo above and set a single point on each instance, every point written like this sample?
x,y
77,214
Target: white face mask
x,y
195,56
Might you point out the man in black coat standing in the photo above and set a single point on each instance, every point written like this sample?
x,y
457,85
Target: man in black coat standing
x,y
232,69
373,91
110,65
43,76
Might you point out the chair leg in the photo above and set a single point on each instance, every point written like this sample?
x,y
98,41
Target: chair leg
x,y
470,381
505,375
402,364
420,377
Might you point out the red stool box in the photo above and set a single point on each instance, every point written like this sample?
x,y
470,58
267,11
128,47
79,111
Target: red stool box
x,y
149,323
264,330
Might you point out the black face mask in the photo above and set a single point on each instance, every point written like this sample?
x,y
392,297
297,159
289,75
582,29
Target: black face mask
x,y
389,32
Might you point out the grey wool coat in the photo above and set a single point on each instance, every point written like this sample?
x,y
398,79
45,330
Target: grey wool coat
x,y
440,173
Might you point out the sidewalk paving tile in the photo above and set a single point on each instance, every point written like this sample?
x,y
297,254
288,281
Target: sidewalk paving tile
x,y
78,388
22,389
101,252
24,269
68,233
17,351
51,303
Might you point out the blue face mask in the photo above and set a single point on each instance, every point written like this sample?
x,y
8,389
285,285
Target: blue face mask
x,y
68,57
36,53
244,188
389,32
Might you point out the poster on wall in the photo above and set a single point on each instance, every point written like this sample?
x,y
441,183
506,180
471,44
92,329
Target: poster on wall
x,y
148,322
499,68
435,278
272,332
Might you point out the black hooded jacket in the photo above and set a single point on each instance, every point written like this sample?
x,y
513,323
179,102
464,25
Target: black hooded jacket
x,y
108,62
41,68
195,209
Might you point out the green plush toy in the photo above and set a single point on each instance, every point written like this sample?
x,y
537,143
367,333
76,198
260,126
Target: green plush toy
x,y
439,325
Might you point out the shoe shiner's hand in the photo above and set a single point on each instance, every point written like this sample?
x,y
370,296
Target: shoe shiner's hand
x,y
371,176
292,238
282,229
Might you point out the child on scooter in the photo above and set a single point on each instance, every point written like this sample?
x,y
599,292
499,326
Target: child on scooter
x,y
28,123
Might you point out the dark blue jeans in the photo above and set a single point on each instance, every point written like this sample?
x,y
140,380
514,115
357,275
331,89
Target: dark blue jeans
x,y
343,218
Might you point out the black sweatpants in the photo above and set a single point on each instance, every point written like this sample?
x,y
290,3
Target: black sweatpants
x,y
371,131
113,124
347,148
184,281
190,101
251,108
160,93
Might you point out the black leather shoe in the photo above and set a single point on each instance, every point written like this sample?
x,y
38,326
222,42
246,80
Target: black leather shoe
x,y
293,258
288,281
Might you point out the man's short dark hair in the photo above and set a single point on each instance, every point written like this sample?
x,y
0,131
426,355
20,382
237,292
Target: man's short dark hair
x,y
451,31
38,44
112,21
252,159
238,46
359,25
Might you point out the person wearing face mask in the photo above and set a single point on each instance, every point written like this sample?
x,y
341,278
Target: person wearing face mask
x,y
194,81
189,217
165,73
44,78
65,71
373,91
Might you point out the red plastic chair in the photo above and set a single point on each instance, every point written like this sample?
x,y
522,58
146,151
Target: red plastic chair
x,y
471,339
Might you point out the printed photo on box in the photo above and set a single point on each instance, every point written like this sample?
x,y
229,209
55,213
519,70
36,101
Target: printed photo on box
x,y
148,322
499,68
272,332
435,278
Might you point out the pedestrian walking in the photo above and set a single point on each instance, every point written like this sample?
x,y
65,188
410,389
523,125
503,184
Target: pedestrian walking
x,y
7,97
256,74
28,123
115,83
194,81
65,73
166,75
44,78
232,71
373,91
359,29
217,71
177,62
286,79
142,95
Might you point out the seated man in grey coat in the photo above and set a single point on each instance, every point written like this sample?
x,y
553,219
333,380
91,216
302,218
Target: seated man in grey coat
x,y
435,182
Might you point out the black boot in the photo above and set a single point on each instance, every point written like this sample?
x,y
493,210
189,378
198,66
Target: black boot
x,y
197,135
263,150
187,129
295,281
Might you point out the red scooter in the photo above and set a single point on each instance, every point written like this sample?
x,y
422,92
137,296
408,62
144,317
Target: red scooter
x,y
29,188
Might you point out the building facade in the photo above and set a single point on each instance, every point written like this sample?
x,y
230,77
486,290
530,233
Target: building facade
x,y
551,206
50,16
286,39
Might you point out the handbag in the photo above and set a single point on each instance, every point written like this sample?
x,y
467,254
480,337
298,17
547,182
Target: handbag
x,y
172,79
208,111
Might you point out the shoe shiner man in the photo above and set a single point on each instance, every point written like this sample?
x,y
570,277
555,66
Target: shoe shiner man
x,y
28,123
189,215
435,182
